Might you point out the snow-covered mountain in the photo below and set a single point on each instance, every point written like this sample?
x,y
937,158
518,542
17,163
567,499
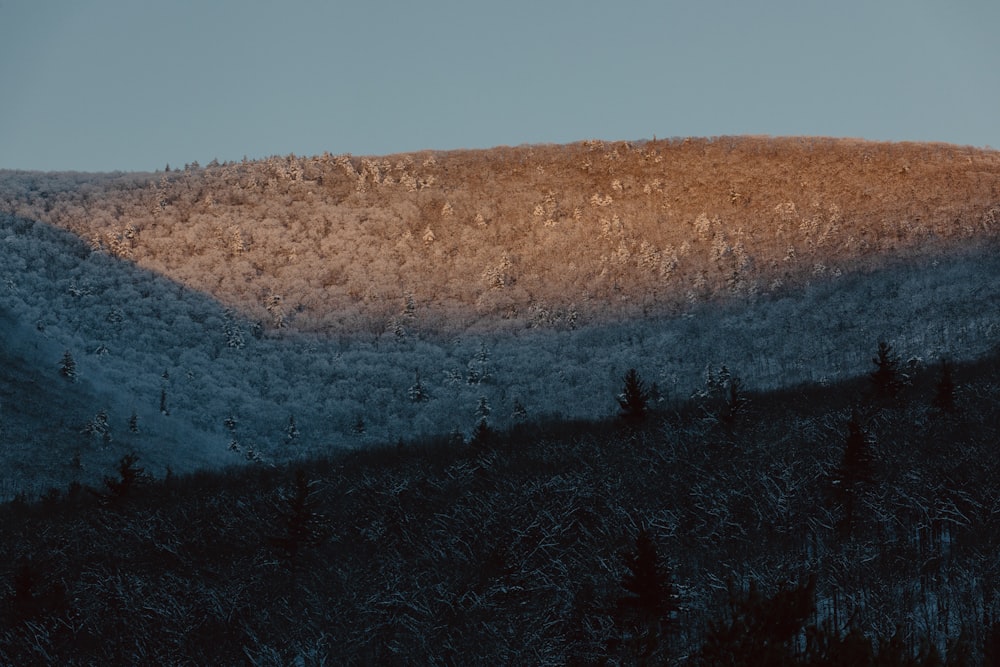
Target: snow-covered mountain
x,y
266,310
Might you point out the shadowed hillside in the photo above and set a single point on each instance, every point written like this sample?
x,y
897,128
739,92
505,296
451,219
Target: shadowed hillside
x,y
693,402
342,302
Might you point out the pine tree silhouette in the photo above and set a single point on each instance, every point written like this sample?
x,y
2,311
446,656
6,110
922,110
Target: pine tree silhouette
x,y
634,398
302,524
646,610
944,390
887,378
130,476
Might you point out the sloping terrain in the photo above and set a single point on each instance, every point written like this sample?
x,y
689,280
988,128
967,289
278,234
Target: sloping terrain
x,y
439,341
518,237
776,537
293,306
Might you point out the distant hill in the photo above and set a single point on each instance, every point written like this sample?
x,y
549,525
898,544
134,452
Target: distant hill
x,y
292,306
528,236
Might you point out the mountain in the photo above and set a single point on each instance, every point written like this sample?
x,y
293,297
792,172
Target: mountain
x,y
697,402
379,299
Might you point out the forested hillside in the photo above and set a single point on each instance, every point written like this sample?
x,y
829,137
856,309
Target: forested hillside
x,y
699,402
270,310
855,524
529,236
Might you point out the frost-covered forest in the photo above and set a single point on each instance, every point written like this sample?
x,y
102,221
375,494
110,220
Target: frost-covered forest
x,y
351,301
472,314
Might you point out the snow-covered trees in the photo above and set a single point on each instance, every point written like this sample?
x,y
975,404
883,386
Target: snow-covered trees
x,y
67,366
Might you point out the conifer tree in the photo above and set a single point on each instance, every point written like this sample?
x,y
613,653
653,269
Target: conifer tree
x,y
649,591
130,476
887,378
67,366
944,390
482,432
302,524
634,397
857,457
647,608
291,431
418,393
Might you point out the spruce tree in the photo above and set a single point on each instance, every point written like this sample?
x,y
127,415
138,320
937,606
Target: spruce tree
x,y
67,366
291,431
418,393
944,391
302,524
130,476
649,592
887,378
634,398
646,610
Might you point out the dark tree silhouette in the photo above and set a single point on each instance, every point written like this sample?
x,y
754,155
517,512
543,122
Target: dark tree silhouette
x,y
646,610
887,378
760,630
130,476
857,456
650,593
735,402
634,398
303,525
944,390
855,468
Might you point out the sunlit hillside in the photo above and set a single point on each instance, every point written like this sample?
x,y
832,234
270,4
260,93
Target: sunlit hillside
x,y
694,402
270,310
526,236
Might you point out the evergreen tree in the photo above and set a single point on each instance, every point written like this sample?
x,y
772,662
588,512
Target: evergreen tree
x,y
133,423
418,393
482,431
649,593
855,468
130,476
67,366
291,431
887,378
99,426
857,456
734,402
646,610
634,397
302,524
759,631
944,390
163,402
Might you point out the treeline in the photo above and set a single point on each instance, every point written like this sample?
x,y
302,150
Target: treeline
x,y
848,524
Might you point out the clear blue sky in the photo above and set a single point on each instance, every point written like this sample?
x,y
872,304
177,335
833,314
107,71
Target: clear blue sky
x,y
97,85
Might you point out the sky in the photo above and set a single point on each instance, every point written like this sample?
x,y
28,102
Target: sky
x,y
134,85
